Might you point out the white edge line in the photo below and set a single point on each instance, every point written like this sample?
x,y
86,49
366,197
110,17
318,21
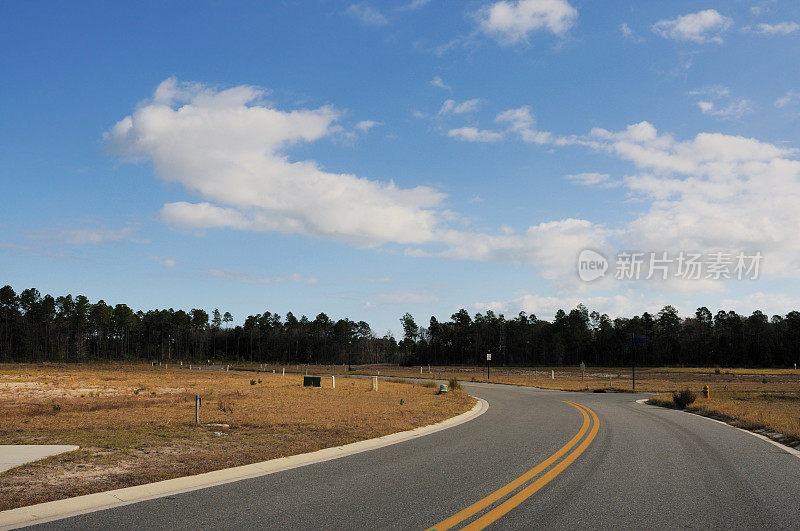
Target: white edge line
x,y
783,447
56,510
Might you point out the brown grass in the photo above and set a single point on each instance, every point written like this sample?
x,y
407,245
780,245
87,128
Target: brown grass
x,y
773,412
136,424
651,379
749,398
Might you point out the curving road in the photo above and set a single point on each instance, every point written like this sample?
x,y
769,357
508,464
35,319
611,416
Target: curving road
x,y
629,466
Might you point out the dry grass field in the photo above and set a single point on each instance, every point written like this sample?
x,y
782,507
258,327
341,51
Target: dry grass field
x,y
778,413
750,398
136,424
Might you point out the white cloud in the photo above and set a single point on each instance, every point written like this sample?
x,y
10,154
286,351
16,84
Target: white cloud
x,y
590,179
714,91
202,216
168,262
453,107
471,134
437,82
713,191
718,102
521,121
734,109
247,278
367,15
791,96
781,28
414,4
701,27
366,125
551,247
512,21
226,147
762,7
86,236
629,34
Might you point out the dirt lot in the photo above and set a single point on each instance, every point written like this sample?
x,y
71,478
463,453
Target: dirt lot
x,y
136,424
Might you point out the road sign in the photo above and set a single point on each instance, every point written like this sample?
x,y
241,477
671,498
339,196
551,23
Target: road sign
x,y
583,367
488,357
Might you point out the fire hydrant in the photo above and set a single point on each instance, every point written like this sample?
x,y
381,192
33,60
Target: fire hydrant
x,y
706,391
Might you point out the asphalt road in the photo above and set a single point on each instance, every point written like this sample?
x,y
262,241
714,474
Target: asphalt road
x,y
643,468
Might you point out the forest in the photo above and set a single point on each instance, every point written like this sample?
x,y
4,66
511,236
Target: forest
x,y
36,328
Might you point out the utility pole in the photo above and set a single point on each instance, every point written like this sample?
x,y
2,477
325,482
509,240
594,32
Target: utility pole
x,y
633,358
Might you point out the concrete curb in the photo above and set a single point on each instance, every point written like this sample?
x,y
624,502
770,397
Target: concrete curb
x,y
783,447
56,510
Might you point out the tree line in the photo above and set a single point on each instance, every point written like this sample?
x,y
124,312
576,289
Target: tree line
x,y
66,328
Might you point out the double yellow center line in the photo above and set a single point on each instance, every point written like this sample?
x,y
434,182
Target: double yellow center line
x,y
589,419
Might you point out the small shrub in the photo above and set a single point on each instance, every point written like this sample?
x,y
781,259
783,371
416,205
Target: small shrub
x,y
453,385
56,408
683,398
716,369
259,380
252,382
763,380
401,402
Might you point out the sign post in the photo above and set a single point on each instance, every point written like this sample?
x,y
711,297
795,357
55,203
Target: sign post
x,y
488,359
197,402
583,370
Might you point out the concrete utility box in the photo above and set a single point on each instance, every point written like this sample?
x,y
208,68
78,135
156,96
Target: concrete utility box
x,y
312,381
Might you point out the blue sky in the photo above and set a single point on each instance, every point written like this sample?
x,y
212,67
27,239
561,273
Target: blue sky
x,y
371,158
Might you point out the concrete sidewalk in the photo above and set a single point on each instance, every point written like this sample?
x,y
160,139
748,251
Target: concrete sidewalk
x,y
12,455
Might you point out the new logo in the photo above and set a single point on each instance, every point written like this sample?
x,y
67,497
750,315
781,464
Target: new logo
x,y
591,265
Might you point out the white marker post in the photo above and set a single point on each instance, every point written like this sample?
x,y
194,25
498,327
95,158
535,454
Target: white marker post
x,y
583,370
552,375
374,383
333,381
283,371
488,359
